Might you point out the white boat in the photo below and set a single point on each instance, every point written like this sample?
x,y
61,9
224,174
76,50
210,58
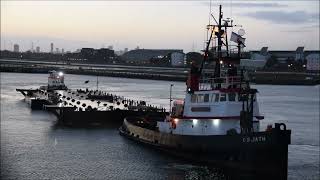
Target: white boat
x,y
55,81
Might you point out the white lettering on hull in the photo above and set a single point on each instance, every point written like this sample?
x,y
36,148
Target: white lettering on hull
x,y
254,139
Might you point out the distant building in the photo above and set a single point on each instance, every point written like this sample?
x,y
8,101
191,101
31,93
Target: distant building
x,y
15,48
143,56
121,52
193,56
262,55
299,54
62,51
177,59
51,47
37,49
94,55
87,53
251,64
282,58
110,47
313,62
32,50
57,50
103,55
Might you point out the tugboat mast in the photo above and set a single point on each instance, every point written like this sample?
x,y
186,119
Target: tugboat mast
x,y
218,31
219,34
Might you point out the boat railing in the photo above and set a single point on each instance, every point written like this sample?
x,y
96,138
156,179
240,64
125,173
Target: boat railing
x,y
221,82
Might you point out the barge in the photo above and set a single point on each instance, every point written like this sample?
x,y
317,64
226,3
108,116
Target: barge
x,y
84,107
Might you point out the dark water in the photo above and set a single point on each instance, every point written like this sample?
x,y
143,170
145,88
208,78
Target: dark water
x,y
32,147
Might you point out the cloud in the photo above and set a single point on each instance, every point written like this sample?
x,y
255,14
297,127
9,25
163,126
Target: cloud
x,y
303,29
281,17
248,4
297,31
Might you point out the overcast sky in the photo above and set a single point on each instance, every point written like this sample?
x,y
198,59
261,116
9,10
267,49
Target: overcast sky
x,y
280,25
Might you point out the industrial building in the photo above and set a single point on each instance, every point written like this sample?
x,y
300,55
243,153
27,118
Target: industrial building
x,y
177,59
258,59
313,62
51,47
102,55
153,56
15,48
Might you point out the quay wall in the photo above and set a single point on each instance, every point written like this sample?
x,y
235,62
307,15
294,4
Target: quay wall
x,y
153,73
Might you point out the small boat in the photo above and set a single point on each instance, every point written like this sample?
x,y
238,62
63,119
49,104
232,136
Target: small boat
x,y
218,121
55,82
38,98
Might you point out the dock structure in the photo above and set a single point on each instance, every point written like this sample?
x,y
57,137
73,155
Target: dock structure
x,y
138,72
152,72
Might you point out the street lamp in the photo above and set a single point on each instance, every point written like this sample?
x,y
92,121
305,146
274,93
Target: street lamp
x,y
170,97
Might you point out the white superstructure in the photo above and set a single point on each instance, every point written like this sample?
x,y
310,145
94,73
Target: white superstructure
x,y
210,110
55,81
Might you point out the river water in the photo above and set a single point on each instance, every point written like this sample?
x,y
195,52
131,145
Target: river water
x,y
33,147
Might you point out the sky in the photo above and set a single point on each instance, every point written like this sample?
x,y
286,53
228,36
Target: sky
x,y
280,25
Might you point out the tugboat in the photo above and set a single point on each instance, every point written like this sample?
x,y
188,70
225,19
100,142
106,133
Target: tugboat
x,y
39,97
55,81
218,121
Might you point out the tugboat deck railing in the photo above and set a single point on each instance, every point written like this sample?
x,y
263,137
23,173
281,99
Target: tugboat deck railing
x,y
207,84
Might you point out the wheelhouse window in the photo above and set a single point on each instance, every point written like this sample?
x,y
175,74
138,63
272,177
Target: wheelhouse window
x,y
206,98
232,96
216,98
200,98
212,97
193,98
223,97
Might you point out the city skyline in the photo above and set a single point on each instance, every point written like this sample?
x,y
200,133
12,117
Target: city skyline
x,y
71,25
